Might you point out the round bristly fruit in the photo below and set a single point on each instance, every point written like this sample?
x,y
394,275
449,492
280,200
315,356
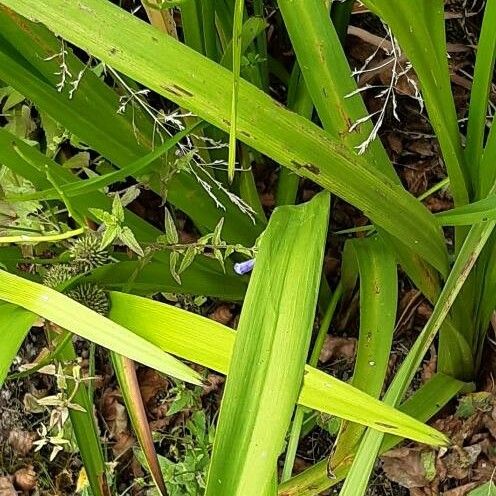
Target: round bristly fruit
x,y
58,274
86,254
91,296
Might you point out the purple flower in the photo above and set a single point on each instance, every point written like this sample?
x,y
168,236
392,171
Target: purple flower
x,y
244,267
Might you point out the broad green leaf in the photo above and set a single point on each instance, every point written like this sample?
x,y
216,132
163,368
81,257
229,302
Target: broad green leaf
x,y
323,64
363,463
329,80
201,278
270,350
80,320
209,343
422,405
473,213
15,324
195,83
378,301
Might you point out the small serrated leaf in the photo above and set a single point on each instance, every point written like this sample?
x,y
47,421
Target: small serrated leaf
x,y
100,215
188,258
204,239
216,238
127,237
117,208
109,235
170,229
218,255
229,251
174,258
243,250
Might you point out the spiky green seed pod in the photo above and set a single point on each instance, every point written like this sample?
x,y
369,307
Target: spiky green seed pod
x,y
86,254
91,296
58,274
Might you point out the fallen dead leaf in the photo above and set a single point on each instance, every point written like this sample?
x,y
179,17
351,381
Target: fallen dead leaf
x,y
336,347
213,383
6,487
222,314
114,413
21,441
151,383
461,490
25,478
410,467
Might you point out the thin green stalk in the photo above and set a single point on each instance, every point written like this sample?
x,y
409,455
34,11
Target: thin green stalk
x,y
24,238
236,69
261,44
209,31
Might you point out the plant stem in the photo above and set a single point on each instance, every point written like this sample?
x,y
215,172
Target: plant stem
x,y
23,238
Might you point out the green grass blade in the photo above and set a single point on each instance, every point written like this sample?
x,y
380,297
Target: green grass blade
x,y
200,85
378,301
323,63
270,350
85,429
203,277
125,372
356,482
191,17
473,213
487,169
80,320
299,101
209,343
483,75
236,69
15,324
422,405
90,185
325,69
420,30
121,138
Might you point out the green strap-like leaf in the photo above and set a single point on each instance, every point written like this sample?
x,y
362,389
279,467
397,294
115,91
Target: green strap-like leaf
x,y
378,301
270,350
209,343
198,84
80,320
